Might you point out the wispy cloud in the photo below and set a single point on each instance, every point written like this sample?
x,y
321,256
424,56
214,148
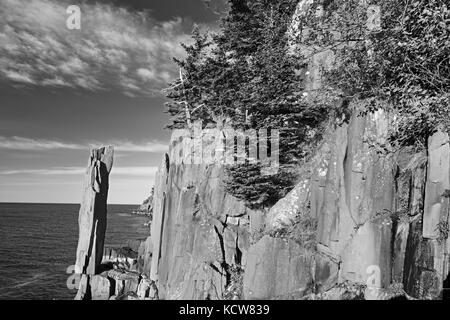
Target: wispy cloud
x,y
134,171
29,144
55,171
121,171
124,146
20,143
116,49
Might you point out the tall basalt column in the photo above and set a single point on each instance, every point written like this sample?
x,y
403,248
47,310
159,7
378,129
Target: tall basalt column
x,y
92,217
159,206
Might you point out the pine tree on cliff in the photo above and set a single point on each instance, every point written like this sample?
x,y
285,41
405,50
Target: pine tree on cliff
x,y
246,73
187,91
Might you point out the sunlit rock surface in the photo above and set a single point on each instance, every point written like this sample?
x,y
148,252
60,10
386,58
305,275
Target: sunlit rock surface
x,y
198,231
92,217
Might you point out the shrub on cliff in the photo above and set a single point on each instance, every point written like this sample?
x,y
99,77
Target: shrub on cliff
x,y
401,65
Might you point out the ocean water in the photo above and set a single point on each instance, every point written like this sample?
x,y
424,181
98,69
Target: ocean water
x,y
38,242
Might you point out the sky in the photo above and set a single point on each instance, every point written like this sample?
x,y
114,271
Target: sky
x,y
64,91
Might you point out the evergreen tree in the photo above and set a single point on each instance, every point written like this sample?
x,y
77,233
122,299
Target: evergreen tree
x,y
245,73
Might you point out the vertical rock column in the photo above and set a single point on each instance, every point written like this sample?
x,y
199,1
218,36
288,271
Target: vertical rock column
x,y
93,210
433,260
159,203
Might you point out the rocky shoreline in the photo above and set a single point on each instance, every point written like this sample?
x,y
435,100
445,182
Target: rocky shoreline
x,y
121,276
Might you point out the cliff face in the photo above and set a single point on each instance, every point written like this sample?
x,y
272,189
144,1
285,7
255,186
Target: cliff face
x,y
380,231
378,217
199,233
378,221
